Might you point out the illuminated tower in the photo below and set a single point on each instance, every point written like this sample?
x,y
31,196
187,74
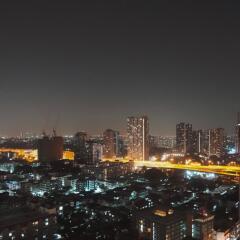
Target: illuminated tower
x,y
138,138
110,143
184,137
237,136
216,142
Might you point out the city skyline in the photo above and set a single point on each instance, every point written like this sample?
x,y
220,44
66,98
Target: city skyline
x,y
87,66
50,129
100,131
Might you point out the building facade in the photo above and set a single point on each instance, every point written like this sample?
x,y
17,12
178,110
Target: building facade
x,y
216,142
161,224
184,137
110,143
138,138
79,146
50,148
203,227
237,134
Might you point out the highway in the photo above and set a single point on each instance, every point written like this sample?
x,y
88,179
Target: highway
x,y
218,169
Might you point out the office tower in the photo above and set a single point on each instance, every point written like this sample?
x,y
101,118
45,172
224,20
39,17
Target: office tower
x,y
216,142
237,136
79,146
184,137
50,148
161,224
138,138
110,143
203,227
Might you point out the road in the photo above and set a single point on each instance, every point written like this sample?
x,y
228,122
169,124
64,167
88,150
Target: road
x,y
218,169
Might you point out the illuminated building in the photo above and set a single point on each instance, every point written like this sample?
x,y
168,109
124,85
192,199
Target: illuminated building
x,y
237,132
195,141
167,141
97,152
50,148
110,143
138,138
29,155
216,142
68,155
79,144
203,142
153,141
184,137
161,224
203,227
208,142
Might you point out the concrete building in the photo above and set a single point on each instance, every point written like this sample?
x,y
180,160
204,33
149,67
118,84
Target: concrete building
x,y
203,227
161,224
138,138
216,142
184,137
50,148
110,143
237,134
79,146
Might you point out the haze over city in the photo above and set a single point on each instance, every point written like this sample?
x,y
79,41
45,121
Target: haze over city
x,y
87,66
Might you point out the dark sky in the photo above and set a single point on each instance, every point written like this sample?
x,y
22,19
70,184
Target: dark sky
x,y
87,66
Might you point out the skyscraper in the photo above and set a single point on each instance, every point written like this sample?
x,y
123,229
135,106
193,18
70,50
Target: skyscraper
x,y
138,138
184,137
216,142
237,136
196,141
110,143
79,144
97,151
203,142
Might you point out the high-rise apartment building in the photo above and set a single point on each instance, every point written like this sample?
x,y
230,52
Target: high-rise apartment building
x,y
138,137
184,137
216,142
237,136
110,143
97,152
208,142
203,142
79,145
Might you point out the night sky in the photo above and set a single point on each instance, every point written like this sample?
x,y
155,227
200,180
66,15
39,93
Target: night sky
x,y
87,66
